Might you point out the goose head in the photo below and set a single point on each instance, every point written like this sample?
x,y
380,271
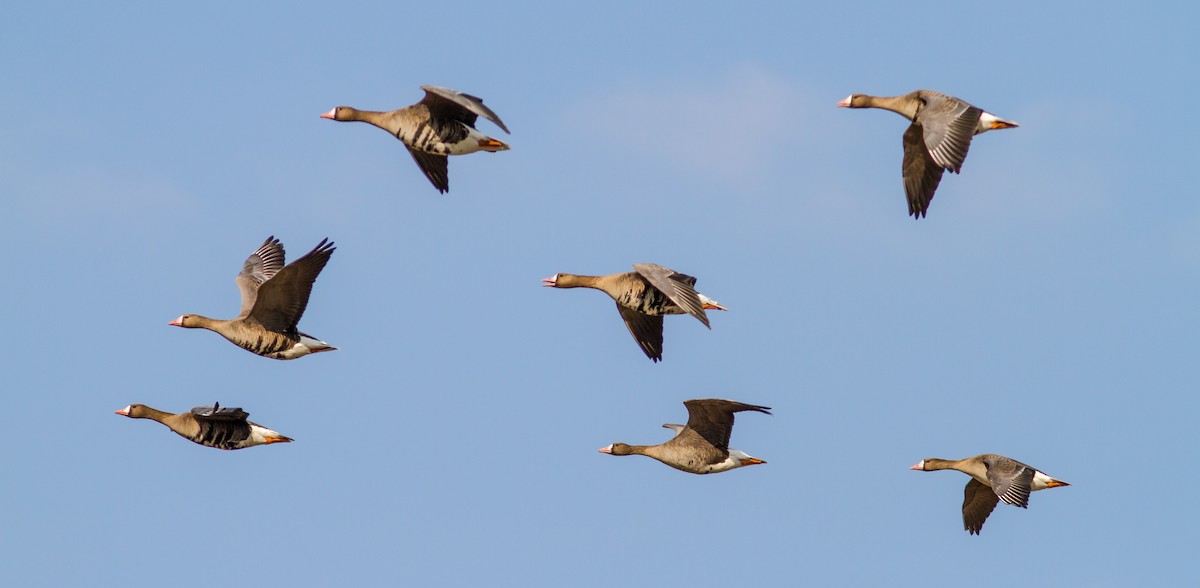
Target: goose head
x,y
565,281
341,113
133,411
853,101
617,449
187,321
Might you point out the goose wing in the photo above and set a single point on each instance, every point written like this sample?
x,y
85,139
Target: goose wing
x,y
221,427
216,412
283,298
258,268
677,428
435,167
646,330
712,419
921,173
1011,480
949,125
680,288
452,104
978,503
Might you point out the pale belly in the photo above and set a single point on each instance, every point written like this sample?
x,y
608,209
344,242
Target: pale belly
x,y
297,350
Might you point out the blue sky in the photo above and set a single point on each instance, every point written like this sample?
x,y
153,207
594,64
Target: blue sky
x,y
1045,309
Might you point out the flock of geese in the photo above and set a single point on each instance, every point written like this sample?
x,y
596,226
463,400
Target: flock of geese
x,y
275,295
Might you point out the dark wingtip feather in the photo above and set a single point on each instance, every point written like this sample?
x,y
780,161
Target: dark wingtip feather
x,y
325,247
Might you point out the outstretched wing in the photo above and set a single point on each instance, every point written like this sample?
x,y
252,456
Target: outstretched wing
x,y
978,503
949,125
680,288
259,267
921,173
712,419
677,428
646,330
434,167
1011,480
452,104
283,298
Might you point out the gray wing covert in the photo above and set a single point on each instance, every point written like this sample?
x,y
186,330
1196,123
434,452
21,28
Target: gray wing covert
x,y
447,103
680,288
949,125
258,268
1011,480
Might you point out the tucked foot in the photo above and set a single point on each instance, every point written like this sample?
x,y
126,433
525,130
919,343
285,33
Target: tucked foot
x,y
490,144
